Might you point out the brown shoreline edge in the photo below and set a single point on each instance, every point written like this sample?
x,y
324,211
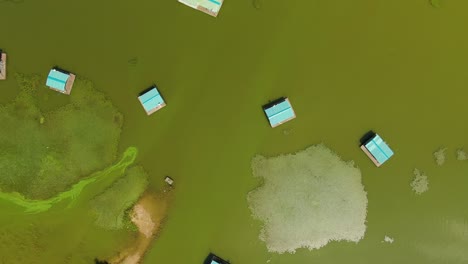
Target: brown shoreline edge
x,y
363,147
289,119
3,66
149,215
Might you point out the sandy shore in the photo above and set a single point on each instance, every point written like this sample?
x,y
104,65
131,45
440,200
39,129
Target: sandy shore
x,y
148,215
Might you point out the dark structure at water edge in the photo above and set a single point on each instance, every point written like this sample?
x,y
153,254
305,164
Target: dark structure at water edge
x,y
213,259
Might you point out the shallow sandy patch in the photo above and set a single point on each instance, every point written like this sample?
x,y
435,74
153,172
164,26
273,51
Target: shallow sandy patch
x,y
148,214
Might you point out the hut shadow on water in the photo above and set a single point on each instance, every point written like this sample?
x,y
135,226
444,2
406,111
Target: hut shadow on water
x,y
97,261
364,139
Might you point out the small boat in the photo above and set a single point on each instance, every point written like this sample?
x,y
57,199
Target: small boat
x,y
169,180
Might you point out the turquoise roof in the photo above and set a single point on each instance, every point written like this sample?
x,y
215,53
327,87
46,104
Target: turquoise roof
x,y
57,80
379,149
214,262
151,99
279,113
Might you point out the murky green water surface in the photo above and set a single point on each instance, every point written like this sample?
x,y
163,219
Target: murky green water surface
x,y
398,67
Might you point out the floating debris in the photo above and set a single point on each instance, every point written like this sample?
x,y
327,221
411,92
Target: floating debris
x,y
257,4
420,183
287,132
461,154
439,156
133,61
388,239
308,199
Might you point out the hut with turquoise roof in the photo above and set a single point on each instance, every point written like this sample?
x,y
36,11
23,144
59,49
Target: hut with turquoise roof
x,y
279,112
210,7
151,100
60,81
376,149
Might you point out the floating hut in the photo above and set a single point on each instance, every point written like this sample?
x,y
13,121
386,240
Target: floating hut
x,y
210,7
213,259
3,65
279,111
60,81
376,149
151,100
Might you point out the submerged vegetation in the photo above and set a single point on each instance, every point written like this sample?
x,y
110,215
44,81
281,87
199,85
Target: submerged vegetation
x,y
439,156
44,153
308,199
461,154
110,206
420,183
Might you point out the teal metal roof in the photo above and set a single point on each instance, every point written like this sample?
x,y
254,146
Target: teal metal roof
x,y
279,113
379,149
151,99
214,262
57,80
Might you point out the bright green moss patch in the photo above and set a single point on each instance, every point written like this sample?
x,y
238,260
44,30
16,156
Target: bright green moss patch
x,y
308,199
45,153
37,206
110,206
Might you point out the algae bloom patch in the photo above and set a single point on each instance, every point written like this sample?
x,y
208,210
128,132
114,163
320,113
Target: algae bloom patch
x,y
308,199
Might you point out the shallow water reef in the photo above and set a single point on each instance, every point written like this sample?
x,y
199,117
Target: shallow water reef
x,y
308,199
420,183
43,153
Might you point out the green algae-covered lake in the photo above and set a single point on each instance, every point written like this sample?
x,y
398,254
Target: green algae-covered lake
x,y
397,67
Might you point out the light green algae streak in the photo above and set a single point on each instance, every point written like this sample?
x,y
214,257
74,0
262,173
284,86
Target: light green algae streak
x,y
36,206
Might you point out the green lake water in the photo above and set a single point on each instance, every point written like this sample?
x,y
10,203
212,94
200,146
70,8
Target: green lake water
x,y
397,67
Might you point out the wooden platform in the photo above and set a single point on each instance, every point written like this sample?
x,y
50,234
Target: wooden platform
x,y
207,11
155,109
3,66
69,85
363,147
